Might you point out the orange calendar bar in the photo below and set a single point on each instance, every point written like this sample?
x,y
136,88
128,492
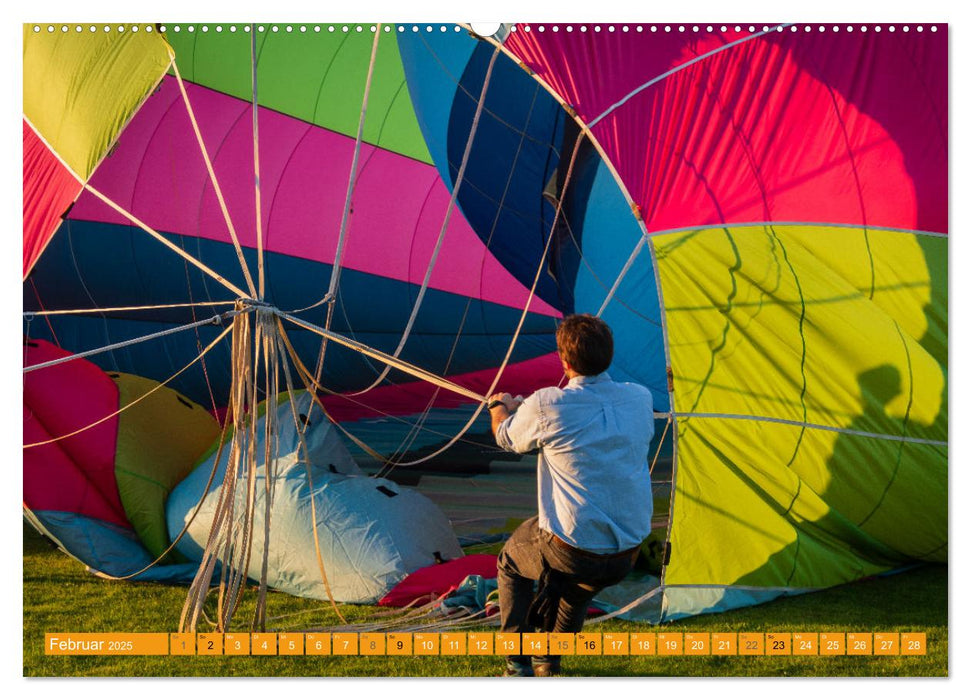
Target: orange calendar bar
x,y
481,644
563,644
697,644
670,643
371,644
489,644
913,643
236,644
454,644
859,644
643,643
805,644
832,644
724,644
263,643
886,644
106,644
589,643
751,644
778,644
426,643
616,643
317,644
536,643
290,644
182,644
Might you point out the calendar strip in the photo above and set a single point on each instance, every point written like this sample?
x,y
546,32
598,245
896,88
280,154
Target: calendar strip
x,y
488,644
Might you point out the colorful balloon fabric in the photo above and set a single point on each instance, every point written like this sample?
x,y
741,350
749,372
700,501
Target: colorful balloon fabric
x,y
760,214
126,442
372,533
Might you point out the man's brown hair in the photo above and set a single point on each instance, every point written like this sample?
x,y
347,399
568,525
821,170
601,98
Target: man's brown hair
x,y
585,343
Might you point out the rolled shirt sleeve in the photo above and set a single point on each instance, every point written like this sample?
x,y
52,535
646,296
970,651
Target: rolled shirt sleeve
x,y
523,430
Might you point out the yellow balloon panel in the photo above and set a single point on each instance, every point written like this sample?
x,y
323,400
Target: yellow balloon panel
x,y
81,86
847,506
775,322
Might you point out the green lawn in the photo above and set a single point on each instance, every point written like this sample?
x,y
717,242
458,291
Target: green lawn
x,y
60,597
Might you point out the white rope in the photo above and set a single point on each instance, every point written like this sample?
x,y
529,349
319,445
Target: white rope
x,y
167,243
460,176
115,309
623,273
394,362
185,528
223,511
271,450
630,606
215,182
678,68
312,385
815,426
301,430
256,167
522,317
335,272
107,348
719,225
132,403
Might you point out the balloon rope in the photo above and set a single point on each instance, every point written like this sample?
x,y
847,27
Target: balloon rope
x,y
110,309
522,318
311,384
166,242
283,347
222,516
256,166
459,179
335,272
623,273
133,341
271,452
373,353
660,442
198,505
215,181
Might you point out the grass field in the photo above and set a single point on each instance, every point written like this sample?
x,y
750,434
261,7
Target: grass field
x,y
59,596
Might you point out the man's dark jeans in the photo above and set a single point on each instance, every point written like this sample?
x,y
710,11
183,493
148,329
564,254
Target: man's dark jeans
x,y
521,565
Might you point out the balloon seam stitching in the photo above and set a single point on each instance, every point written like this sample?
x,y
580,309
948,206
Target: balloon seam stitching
x,y
815,426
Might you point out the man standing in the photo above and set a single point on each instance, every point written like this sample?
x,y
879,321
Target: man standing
x,y
594,485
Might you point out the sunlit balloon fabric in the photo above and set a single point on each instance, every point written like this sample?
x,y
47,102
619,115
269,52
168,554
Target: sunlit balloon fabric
x,y
794,186
79,92
310,88
760,213
104,452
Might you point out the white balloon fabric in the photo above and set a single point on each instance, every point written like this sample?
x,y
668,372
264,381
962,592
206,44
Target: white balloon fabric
x,y
372,532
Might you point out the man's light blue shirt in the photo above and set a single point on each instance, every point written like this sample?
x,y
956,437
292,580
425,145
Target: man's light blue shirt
x,y
594,481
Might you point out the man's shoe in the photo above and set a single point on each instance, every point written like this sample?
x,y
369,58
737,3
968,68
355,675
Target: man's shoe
x,y
516,668
546,668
